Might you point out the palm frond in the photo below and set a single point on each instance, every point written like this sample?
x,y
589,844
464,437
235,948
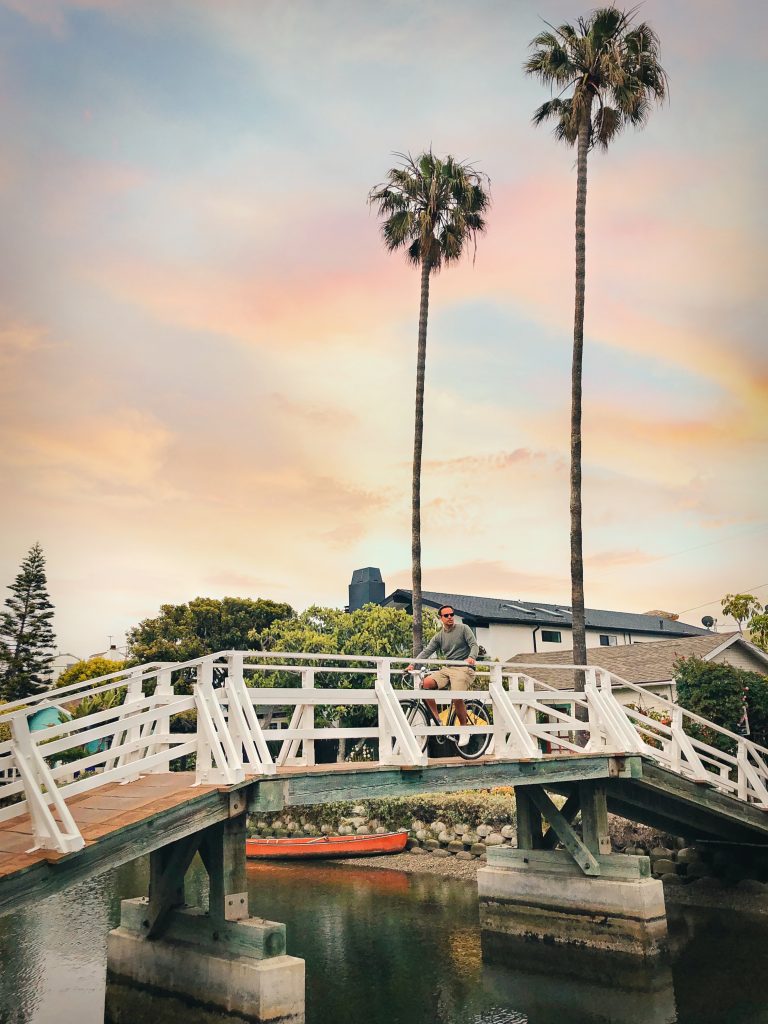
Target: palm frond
x,y
431,207
606,57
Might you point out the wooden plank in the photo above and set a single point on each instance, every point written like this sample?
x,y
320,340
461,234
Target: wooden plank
x,y
313,787
35,880
569,810
565,832
14,842
167,868
594,818
223,853
528,820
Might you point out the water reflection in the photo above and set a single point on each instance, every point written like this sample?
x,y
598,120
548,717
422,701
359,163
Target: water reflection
x,y
382,946
548,983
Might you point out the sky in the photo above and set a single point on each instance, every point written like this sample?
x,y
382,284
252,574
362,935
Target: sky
x,y
207,357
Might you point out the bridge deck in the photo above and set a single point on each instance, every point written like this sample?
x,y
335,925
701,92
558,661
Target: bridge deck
x,y
120,822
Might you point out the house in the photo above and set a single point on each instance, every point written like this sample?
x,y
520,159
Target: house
x,y
60,663
650,665
505,627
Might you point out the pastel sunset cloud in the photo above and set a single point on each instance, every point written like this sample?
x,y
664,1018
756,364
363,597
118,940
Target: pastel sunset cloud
x,y
207,354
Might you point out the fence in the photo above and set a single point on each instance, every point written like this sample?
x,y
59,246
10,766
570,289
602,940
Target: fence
x,y
218,714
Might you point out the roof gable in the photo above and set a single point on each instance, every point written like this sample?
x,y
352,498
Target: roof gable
x,y
651,662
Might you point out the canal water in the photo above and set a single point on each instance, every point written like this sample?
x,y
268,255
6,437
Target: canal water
x,y
383,947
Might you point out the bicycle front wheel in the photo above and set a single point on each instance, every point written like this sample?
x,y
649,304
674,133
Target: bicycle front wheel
x,y
480,741
417,717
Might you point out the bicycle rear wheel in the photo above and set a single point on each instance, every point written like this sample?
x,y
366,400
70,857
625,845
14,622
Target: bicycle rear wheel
x,y
478,742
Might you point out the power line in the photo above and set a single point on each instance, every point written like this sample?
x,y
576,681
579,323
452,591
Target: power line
x,y
696,607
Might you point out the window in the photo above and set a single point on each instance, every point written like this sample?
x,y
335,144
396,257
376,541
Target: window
x,y
606,640
551,636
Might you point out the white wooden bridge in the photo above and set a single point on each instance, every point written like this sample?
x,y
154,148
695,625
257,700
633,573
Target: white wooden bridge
x,y
104,787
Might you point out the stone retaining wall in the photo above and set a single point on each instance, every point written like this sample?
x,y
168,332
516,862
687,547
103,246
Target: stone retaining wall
x,y
673,860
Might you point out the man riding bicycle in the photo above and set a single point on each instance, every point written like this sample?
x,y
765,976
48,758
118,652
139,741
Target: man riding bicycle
x,y
455,643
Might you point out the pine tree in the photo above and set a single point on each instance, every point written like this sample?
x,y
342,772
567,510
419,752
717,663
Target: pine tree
x,y
27,639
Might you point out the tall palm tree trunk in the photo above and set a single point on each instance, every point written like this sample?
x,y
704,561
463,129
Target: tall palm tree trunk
x,y
577,559
418,435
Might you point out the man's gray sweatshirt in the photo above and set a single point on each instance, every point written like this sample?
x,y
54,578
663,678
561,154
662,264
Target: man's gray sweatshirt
x,y
455,644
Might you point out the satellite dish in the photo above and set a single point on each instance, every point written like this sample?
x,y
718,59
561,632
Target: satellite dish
x,y
708,621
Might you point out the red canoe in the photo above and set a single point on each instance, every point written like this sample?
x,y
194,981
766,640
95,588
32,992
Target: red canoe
x,y
327,846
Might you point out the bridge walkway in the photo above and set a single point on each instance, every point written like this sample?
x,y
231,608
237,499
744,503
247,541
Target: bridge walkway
x,y
122,821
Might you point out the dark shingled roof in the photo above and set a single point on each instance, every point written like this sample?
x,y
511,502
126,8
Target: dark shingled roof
x,y
510,610
649,662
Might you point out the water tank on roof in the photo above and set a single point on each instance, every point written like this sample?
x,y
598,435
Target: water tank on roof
x,y
367,587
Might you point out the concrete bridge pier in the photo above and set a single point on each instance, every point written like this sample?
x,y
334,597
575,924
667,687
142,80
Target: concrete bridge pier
x,y
580,895
166,956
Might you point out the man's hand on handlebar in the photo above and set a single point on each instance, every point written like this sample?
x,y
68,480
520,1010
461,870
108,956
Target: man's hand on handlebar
x,y
471,661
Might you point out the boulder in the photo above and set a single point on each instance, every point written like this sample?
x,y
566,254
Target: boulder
x,y
478,849
752,885
688,855
483,830
440,853
431,844
494,839
662,866
446,837
456,846
661,853
460,829
464,855
381,830
437,827
418,850
358,810
422,834
509,832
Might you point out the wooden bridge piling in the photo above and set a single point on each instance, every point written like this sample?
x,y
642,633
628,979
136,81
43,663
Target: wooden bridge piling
x,y
221,959
580,895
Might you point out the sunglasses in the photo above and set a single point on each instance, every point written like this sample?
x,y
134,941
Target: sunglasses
x,y
447,615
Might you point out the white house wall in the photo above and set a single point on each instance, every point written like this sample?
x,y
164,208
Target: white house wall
x,y
504,641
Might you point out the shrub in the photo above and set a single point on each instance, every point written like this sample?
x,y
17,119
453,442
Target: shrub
x,y
716,691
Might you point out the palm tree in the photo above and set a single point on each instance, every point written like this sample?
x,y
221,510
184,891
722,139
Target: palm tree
x,y
432,208
609,61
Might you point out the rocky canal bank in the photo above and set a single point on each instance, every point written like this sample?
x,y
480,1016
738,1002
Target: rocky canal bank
x,y
450,834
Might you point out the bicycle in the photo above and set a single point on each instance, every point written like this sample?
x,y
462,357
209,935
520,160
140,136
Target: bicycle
x,y
418,713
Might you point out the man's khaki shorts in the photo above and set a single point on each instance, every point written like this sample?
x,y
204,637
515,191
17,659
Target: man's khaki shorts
x,y
458,677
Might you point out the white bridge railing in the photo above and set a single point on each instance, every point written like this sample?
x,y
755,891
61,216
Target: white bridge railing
x,y
225,715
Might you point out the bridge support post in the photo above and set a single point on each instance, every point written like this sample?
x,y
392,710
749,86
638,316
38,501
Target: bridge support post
x,y
580,895
166,956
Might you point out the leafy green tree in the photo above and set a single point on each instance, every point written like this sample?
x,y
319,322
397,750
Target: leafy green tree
x,y
373,630
433,209
610,63
182,632
27,640
758,630
716,691
741,607
89,668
